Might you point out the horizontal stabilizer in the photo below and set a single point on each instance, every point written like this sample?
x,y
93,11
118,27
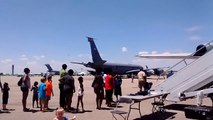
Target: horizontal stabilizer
x,y
81,63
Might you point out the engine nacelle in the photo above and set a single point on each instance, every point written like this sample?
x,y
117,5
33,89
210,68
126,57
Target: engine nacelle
x,y
202,49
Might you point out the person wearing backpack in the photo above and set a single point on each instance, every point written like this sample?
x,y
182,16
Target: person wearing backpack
x,y
26,84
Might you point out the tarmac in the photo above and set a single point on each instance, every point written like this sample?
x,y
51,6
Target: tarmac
x,y
174,111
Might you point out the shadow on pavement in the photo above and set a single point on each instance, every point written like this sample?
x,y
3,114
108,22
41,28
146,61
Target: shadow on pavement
x,y
4,111
178,107
158,116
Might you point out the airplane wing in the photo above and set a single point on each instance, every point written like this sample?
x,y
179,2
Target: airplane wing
x,y
89,64
80,63
133,71
168,56
200,50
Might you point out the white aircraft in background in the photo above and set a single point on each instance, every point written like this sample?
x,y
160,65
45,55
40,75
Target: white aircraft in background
x,y
200,50
81,73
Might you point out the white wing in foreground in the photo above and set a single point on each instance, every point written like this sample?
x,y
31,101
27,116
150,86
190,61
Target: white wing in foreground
x,y
167,56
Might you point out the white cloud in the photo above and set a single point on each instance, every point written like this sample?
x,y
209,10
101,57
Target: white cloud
x,y
193,29
124,49
192,33
36,57
31,63
39,57
194,38
82,56
143,52
56,64
6,61
23,57
154,52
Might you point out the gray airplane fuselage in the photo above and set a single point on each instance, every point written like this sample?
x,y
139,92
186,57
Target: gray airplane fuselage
x,y
117,68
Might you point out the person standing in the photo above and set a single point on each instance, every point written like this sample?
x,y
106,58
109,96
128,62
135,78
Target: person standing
x,y
132,76
42,94
0,83
141,79
61,86
68,89
5,95
49,91
80,93
109,86
35,94
98,86
26,84
117,90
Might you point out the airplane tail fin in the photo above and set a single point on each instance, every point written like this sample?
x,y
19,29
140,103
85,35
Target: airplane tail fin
x,y
94,51
49,67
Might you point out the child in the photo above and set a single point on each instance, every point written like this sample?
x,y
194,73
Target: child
x,y
5,95
60,115
80,93
49,90
35,93
42,94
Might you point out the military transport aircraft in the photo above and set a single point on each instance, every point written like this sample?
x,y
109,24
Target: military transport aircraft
x,y
117,68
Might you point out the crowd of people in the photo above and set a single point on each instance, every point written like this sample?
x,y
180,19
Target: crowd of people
x,y
43,91
104,84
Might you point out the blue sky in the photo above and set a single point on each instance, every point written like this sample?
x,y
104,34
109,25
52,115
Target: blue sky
x,y
35,32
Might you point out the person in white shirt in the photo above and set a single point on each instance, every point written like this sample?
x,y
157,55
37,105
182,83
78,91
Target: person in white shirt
x,y
141,79
80,93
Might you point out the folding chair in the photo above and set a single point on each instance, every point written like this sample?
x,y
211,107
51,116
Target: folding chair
x,y
158,105
121,112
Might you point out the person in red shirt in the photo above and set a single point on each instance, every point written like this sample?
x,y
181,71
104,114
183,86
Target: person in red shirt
x,y
109,86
